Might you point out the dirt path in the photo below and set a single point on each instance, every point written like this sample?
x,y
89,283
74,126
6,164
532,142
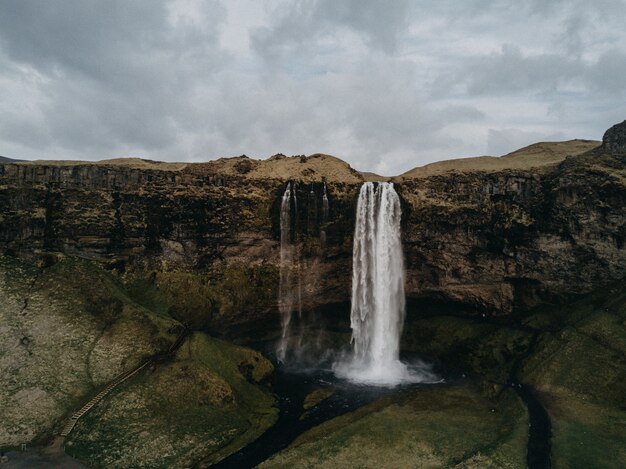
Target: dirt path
x,y
48,457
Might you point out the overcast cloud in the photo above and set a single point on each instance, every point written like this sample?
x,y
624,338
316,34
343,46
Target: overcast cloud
x,y
387,86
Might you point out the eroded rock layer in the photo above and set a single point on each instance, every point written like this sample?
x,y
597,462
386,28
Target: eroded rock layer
x,y
490,234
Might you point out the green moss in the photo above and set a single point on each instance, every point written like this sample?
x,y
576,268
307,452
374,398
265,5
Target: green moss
x,y
580,370
200,406
468,345
204,300
426,428
76,328
317,396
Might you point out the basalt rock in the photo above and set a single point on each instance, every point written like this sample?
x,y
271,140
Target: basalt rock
x,y
490,235
614,139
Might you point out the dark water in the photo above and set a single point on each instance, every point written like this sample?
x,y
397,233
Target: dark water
x,y
539,429
292,385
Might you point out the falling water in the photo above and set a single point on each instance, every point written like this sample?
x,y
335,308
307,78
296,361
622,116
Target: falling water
x,y
378,301
312,215
285,290
324,216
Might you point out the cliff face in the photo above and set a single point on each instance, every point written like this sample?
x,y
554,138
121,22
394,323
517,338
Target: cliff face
x,y
491,234
516,238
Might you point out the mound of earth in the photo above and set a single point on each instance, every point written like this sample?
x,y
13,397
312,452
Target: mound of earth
x,y
536,156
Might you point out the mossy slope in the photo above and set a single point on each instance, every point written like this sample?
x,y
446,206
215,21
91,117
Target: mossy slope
x,y
201,406
65,331
579,370
436,426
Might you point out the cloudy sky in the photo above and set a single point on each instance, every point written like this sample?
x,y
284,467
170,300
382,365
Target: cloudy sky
x,y
385,85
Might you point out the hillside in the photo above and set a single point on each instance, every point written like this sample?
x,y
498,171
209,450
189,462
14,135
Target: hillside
x,y
4,159
316,167
536,156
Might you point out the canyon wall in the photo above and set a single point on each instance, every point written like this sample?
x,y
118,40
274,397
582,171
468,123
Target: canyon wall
x,y
490,235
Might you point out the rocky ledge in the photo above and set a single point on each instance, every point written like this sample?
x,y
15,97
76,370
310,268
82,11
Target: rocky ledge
x,y
490,235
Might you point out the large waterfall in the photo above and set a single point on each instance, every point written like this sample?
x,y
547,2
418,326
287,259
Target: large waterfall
x,y
377,311
378,301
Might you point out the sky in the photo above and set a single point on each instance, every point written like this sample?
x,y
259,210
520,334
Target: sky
x,y
384,85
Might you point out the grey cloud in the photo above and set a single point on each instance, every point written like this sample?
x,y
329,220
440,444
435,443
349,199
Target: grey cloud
x,y
303,25
117,74
385,85
368,114
607,74
511,71
112,41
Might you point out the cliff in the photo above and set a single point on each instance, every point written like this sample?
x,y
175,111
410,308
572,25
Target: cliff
x,y
487,234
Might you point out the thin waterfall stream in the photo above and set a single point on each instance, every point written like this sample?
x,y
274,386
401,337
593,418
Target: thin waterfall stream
x,y
290,286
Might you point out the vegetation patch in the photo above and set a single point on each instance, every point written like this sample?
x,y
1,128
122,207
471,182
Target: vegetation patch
x,y
198,407
579,370
65,330
435,426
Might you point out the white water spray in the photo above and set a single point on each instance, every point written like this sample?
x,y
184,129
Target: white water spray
x,y
378,300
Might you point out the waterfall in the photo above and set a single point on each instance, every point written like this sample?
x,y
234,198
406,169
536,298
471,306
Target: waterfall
x,y
377,313
378,301
285,287
324,216
312,215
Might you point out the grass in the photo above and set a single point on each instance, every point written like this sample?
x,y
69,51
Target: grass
x,y
203,405
425,428
67,329
579,369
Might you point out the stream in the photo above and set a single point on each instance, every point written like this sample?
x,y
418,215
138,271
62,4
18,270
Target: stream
x,y
539,429
291,388
292,385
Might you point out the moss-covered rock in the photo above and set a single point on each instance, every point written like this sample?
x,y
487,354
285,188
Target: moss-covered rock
x,y
497,234
199,407
484,348
316,396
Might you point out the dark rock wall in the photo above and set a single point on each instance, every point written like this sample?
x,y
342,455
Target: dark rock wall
x,y
614,139
515,239
489,241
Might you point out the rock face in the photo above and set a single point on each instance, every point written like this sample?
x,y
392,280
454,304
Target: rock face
x,y
489,237
614,139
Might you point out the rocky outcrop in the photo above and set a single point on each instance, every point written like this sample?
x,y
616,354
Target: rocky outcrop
x,y
614,139
488,237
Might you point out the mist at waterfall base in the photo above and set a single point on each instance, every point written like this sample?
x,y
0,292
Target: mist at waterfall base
x,y
372,357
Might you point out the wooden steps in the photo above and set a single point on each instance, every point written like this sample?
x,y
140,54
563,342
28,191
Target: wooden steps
x,y
71,423
69,426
